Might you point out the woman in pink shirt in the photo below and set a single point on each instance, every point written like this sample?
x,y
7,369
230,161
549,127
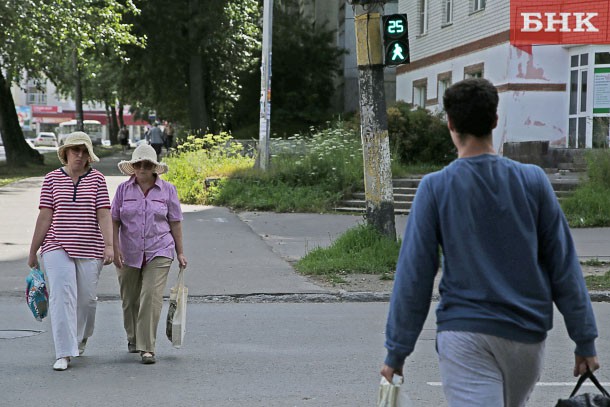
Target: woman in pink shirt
x,y
147,224
74,234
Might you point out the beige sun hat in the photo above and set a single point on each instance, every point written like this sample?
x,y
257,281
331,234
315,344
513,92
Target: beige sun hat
x,y
143,152
77,138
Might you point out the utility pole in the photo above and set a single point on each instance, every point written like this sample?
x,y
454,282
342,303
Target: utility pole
x,y
265,101
373,117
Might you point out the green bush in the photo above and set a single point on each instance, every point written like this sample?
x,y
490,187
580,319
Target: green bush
x,y
312,176
419,136
201,157
598,167
588,205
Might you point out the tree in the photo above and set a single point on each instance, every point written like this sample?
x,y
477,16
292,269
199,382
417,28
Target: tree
x,y
305,64
197,50
38,36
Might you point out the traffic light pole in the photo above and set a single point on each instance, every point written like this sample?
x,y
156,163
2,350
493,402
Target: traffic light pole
x,y
373,120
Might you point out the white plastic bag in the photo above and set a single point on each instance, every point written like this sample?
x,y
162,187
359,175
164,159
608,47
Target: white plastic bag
x,y
175,327
393,394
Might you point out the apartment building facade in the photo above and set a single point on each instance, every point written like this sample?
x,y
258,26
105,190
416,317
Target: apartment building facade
x,y
554,93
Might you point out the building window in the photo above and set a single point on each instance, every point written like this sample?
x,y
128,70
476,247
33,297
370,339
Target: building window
x,y
443,82
577,106
447,12
601,58
420,88
477,5
423,16
473,71
36,92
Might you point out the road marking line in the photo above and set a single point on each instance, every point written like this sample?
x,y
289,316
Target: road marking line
x,y
541,384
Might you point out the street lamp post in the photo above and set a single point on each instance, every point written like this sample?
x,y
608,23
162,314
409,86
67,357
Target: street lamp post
x,y
265,99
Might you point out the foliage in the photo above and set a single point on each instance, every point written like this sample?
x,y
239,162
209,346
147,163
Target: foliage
x,y
210,156
588,205
311,174
359,250
211,46
305,63
39,37
419,136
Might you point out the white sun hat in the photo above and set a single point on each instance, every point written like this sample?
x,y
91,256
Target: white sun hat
x,y
143,152
77,138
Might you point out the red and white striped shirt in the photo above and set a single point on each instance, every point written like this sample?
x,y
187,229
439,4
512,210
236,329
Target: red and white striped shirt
x,y
75,226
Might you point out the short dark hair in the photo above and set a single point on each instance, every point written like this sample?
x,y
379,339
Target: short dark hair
x,y
472,105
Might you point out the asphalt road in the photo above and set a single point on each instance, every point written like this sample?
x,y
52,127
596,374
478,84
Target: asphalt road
x,y
240,350
256,355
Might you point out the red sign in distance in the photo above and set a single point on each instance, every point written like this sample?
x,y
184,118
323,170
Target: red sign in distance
x,y
559,22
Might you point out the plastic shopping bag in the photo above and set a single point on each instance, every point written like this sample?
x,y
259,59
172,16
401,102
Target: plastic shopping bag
x,y
36,294
175,326
393,394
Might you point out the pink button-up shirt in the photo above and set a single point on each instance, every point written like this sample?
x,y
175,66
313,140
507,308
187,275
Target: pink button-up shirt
x,y
144,232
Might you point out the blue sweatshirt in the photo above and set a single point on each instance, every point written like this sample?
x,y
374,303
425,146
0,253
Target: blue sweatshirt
x,y
507,257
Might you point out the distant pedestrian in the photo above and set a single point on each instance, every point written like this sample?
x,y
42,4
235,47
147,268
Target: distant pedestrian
x,y
507,257
155,138
147,224
168,132
124,138
74,233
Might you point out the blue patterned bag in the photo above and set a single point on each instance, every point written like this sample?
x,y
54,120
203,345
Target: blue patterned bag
x,y
36,294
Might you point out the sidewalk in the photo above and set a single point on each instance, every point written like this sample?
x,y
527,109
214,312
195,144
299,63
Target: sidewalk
x,y
229,253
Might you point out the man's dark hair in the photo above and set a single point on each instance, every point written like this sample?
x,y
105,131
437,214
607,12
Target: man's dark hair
x,y
471,105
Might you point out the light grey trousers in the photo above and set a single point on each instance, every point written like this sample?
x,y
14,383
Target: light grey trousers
x,y
487,371
72,299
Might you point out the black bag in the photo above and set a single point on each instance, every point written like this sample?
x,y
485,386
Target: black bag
x,y
587,399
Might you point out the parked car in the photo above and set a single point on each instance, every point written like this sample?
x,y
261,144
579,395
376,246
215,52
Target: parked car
x,y
46,139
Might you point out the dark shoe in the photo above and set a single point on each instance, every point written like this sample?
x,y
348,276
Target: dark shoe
x,y
148,358
81,346
131,347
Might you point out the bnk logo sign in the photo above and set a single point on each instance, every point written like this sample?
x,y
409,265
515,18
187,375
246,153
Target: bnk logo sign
x,y
559,22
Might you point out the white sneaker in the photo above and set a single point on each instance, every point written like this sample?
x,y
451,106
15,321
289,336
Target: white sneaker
x,y
61,364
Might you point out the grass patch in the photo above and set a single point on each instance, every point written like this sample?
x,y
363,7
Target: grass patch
x,y
592,262
359,250
588,206
271,195
598,283
400,170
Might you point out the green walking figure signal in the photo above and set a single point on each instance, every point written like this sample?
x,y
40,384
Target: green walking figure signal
x,y
396,39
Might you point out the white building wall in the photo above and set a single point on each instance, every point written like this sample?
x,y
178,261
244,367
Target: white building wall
x,y
466,27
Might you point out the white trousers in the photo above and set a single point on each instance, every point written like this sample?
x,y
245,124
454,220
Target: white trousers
x,y
72,299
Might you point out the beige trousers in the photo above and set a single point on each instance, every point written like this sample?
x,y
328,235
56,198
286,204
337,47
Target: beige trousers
x,y
142,295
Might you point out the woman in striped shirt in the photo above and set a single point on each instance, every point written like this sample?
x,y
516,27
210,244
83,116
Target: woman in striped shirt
x,y
74,234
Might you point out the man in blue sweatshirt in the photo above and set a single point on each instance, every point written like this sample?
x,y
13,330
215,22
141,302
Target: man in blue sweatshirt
x,y
507,256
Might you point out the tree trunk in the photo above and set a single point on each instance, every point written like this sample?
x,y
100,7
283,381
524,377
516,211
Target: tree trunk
x,y
374,123
18,151
114,126
121,119
197,104
78,96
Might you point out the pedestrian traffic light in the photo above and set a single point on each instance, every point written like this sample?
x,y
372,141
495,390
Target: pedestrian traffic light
x,y
396,39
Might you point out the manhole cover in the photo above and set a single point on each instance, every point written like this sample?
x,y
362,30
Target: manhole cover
x,y
18,333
